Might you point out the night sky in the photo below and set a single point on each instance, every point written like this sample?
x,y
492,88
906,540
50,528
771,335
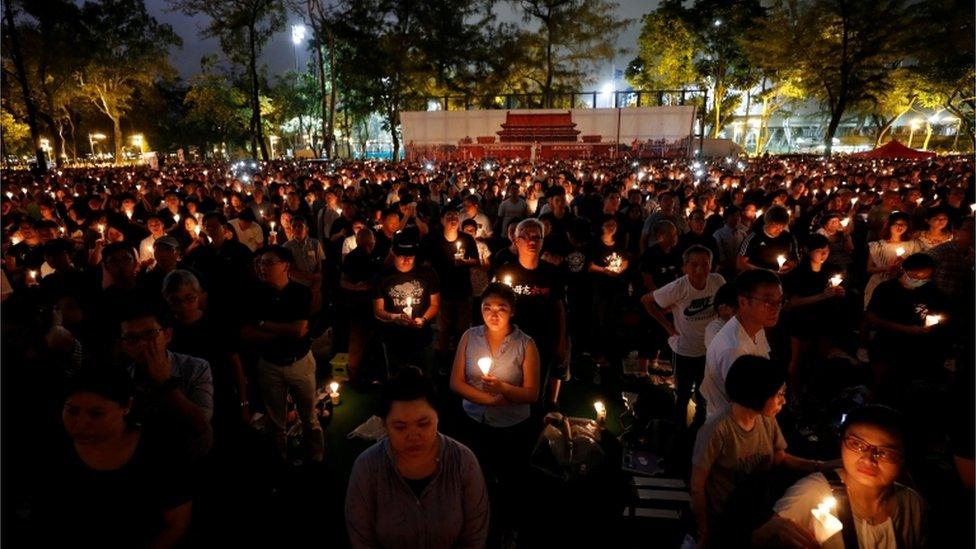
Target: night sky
x,y
279,55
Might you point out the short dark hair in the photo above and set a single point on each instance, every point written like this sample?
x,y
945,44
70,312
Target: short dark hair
x,y
816,241
115,247
281,252
888,419
110,382
748,282
919,261
503,291
138,311
778,215
469,222
408,384
215,215
726,295
695,249
752,380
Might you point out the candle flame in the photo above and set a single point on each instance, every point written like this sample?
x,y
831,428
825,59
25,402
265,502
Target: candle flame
x,y
836,280
334,387
484,363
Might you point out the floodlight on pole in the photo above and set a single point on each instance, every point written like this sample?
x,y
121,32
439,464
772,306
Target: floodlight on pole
x,y
297,34
717,22
607,90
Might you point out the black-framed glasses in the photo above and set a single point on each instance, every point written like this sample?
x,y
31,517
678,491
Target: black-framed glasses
x,y
878,453
769,302
145,335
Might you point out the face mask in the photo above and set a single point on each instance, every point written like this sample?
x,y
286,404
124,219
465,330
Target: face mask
x,y
913,283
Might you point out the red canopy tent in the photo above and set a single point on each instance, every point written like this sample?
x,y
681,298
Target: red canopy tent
x,y
894,149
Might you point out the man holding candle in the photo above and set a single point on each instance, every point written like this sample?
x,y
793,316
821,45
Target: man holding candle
x,y
451,253
539,297
905,346
278,328
406,300
770,246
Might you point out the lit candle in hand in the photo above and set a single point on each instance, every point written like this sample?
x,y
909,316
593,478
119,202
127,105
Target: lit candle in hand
x,y
408,309
825,524
601,411
507,280
176,218
845,222
101,230
836,280
334,393
899,251
484,364
932,320
31,278
781,259
460,253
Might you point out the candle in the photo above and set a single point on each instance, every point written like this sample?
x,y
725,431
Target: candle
x,y
128,213
614,262
825,524
339,211
31,277
507,280
16,240
225,202
836,280
101,230
272,226
176,218
932,320
972,207
10,194
781,259
459,254
845,222
601,411
197,230
899,251
918,201
334,393
854,200
408,309
759,212
484,363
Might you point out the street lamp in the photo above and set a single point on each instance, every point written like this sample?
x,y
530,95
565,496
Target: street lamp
x,y
92,137
273,139
297,37
138,141
915,124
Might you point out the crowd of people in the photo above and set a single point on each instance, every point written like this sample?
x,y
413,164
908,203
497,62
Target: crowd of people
x,y
151,316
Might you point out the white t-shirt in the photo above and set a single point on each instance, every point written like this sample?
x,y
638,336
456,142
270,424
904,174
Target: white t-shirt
x,y
484,225
146,250
692,310
729,343
712,330
252,237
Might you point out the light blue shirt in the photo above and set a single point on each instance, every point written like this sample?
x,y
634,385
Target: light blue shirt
x,y
506,365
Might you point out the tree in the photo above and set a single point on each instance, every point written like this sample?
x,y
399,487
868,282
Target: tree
x,y
243,27
666,51
216,110
130,56
843,51
573,37
15,136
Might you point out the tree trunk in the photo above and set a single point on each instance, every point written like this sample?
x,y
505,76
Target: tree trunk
x,y
836,113
257,132
547,89
719,92
17,55
394,138
333,90
117,135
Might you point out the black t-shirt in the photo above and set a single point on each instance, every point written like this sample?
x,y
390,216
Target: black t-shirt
x,y
601,255
360,266
557,241
381,251
212,341
761,250
418,284
893,302
804,282
662,266
81,506
292,303
538,295
455,280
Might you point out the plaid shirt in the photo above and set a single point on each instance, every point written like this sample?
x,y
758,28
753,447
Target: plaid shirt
x,y
953,269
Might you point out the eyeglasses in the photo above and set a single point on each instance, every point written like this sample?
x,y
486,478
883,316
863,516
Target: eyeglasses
x,y
146,335
878,453
769,302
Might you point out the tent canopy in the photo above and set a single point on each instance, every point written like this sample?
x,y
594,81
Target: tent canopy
x,y
894,149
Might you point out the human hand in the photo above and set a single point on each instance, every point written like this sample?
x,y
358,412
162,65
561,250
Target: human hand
x,y
492,384
157,364
784,532
403,320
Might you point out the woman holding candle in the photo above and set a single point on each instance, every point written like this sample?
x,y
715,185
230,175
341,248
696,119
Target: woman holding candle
x,y
608,265
907,314
735,451
836,228
811,297
938,230
496,373
885,514
885,255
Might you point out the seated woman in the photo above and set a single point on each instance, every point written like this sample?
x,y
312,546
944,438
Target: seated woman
x,y
114,486
885,513
497,402
417,487
735,450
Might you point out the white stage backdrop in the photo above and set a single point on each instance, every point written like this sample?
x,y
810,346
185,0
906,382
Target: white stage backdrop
x,y
641,123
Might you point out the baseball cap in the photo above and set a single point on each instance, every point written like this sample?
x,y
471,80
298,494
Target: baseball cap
x,y
404,244
167,241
